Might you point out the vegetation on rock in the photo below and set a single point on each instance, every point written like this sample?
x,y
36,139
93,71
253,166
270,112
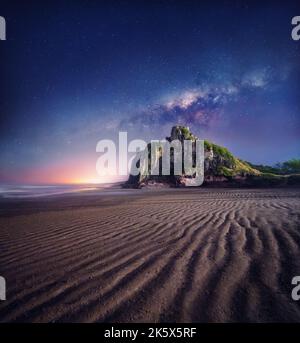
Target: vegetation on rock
x,y
220,165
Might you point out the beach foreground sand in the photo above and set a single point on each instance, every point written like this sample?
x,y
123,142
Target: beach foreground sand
x,y
184,255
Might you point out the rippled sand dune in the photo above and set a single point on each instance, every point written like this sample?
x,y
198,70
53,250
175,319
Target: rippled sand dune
x,y
180,255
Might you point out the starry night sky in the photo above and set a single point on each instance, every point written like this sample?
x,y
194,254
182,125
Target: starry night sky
x,y
75,72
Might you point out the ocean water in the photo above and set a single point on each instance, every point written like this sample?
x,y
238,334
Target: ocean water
x,y
29,191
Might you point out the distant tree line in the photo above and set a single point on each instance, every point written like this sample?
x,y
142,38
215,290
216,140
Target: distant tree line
x,y
288,167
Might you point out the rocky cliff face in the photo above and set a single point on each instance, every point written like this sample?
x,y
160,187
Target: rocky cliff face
x,y
220,166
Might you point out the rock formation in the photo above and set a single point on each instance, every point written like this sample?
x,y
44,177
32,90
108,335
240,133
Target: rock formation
x,y
221,168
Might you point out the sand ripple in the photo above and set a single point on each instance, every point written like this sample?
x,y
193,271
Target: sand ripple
x,y
201,255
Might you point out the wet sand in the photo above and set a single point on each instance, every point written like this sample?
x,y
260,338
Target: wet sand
x,y
181,255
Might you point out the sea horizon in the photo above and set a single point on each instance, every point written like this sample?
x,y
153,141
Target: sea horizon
x,y
43,190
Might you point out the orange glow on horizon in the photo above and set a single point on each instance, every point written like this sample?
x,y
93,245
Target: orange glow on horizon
x,y
71,172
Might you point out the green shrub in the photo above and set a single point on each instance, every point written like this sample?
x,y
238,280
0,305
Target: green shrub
x,y
224,171
207,145
219,150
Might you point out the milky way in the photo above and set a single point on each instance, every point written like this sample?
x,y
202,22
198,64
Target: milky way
x,y
74,74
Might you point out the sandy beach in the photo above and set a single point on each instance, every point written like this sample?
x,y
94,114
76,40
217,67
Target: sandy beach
x,y
177,255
